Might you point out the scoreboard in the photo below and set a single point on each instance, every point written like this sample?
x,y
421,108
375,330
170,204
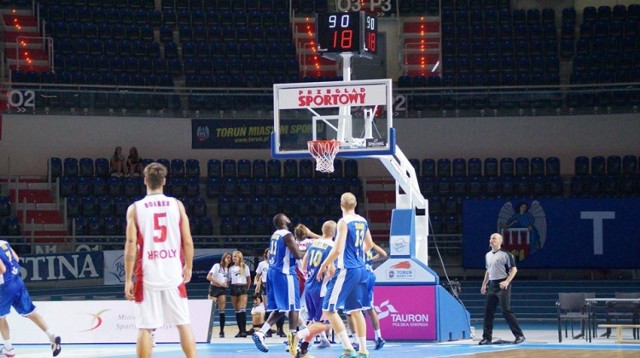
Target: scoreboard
x,y
351,32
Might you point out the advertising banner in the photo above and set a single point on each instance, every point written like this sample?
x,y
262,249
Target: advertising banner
x,y
402,318
54,267
555,233
100,322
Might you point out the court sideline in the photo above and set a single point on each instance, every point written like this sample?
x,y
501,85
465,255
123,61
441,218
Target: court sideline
x,y
542,341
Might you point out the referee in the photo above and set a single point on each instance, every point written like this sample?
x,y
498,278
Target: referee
x,y
501,269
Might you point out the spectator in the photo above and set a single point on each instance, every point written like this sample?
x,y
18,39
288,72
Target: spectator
x,y
257,313
240,277
134,162
117,164
219,278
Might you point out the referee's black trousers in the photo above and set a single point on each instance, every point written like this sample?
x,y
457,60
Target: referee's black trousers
x,y
497,295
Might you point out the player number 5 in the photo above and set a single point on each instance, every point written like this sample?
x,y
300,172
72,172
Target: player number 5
x,y
160,226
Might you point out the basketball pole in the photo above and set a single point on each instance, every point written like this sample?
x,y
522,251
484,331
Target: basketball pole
x,y
345,128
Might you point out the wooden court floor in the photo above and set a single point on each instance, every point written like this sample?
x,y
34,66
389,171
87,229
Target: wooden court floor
x,y
246,349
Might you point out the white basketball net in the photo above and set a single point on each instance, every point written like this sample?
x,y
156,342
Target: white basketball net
x,y
324,151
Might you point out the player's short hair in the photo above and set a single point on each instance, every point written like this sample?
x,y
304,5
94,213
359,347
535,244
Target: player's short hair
x,y
280,219
155,175
497,236
348,201
329,228
300,231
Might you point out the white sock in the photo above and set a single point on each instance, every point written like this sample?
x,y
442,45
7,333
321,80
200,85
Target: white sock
x,y
323,336
302,334
346,342
378,334
8,345
265,328
51,335
363,343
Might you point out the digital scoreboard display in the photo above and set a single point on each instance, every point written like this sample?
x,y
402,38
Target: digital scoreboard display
x,y
352,32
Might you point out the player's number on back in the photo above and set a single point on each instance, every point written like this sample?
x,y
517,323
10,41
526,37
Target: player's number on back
x,y
160,224
316,258
359,237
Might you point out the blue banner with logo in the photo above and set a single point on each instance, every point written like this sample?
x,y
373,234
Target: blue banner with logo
x,y
555,233
247,133
54,267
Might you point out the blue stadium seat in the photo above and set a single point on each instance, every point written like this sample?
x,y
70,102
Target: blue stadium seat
x,y
493,186
272,206
614,165
537,166
260,226
55,167
214,168
256,206
244,168
177,187
274,168
630,165
443,167
508,186
428,167
225,206
444,186
106,206
490,167
241,206
88,206
244,186
84,186
598,165
507,167
552,166
229,168
192,168
260,188
70,167
522,166
214,187
177,168
306,168
292,186
73,206
131,187
67,186
428,186
228,226
275,187
523,186
323,187
459,167
259,168
474,167
290,168
229,187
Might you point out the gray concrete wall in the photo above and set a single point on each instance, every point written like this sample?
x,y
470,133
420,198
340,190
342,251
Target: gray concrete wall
x,y
29,140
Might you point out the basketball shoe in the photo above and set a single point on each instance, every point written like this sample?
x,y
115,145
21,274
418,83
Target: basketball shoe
x,y
7,352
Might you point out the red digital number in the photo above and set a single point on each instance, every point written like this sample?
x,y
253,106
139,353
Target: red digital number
x,y
371,43
158,226
344,40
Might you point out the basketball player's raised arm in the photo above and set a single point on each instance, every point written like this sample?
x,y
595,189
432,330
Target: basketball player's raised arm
x,y
130,251
187,243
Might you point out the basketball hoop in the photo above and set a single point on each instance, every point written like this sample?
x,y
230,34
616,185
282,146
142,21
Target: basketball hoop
x,y
324,151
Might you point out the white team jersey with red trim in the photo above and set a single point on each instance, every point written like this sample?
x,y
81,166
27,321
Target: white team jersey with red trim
x,y
160,257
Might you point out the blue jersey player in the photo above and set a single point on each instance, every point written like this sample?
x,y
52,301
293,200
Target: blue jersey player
x,y
348,289
13,293
314,291
283,293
